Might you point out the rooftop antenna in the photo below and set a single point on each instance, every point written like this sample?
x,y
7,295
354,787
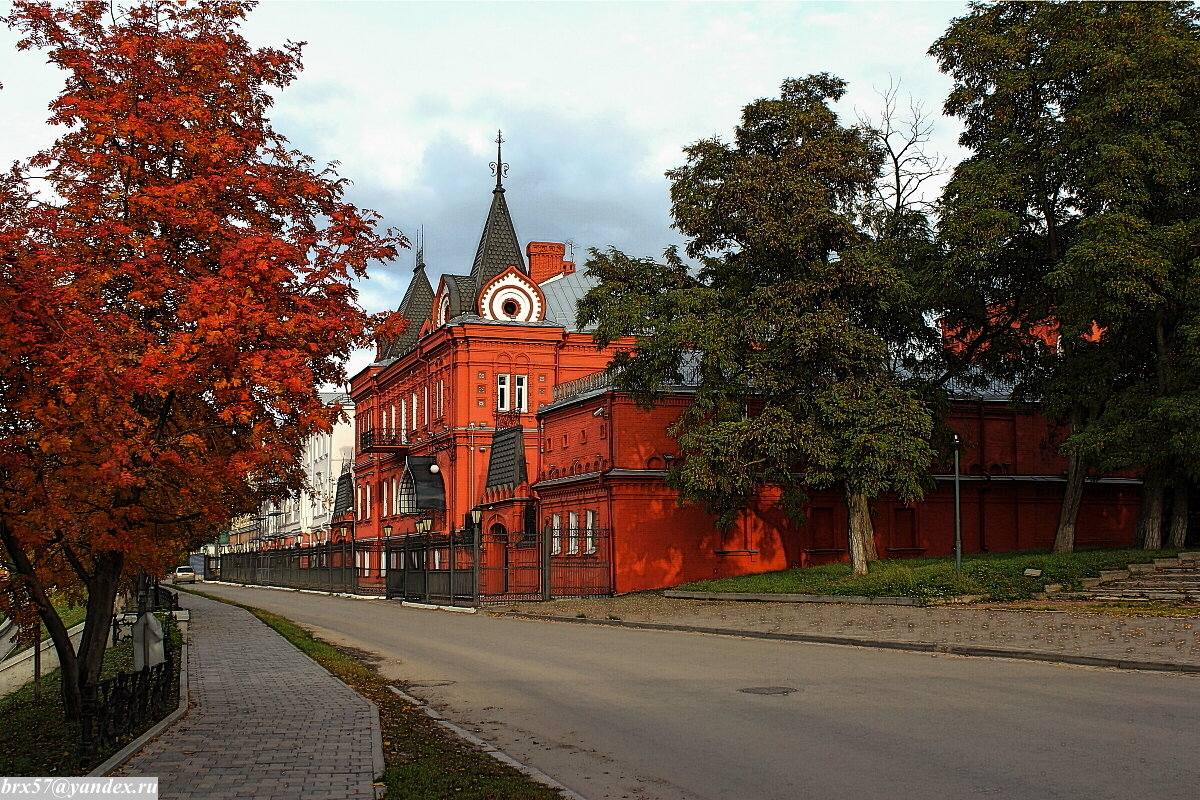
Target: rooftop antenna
x,y
499,168
570,243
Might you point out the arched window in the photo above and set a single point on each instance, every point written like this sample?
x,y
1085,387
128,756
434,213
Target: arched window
x,y
408,494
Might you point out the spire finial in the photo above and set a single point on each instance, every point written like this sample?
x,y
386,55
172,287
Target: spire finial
x,y
499,168
420,249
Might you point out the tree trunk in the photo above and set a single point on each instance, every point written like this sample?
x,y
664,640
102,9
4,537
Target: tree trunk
x,y
862,532
68,663
1177,537
1064,537
1149,526
102,594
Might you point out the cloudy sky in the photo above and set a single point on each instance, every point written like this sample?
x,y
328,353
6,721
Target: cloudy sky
x,y
596,100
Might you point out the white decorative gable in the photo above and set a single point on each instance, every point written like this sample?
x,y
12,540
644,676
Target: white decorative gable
x,y
512,297
441,310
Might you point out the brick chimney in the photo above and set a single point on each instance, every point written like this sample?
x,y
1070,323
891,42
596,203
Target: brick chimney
x,y
545,260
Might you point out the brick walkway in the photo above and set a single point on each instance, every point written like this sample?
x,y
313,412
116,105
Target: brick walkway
x,y
265,721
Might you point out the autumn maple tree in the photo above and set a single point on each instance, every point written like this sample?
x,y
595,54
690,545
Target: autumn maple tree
x,y
176,282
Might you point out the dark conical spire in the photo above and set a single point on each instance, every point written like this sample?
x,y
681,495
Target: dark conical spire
x,y
498,245
416,307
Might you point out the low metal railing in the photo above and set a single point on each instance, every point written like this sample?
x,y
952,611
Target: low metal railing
x,y
116,708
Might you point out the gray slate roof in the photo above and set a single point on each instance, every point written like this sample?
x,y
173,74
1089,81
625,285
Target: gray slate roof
x,y
563,295
506,467
498,246
461,290
416,307
343,498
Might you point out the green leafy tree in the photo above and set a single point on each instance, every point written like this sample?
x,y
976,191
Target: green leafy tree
x,y
786,326
1077,213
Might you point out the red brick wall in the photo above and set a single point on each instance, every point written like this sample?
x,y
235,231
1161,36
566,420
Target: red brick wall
x,y
1011,489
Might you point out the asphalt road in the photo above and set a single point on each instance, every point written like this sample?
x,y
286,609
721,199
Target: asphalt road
x,y
620,713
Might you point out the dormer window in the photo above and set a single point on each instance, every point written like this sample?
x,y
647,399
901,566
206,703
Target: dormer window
x,y
511,308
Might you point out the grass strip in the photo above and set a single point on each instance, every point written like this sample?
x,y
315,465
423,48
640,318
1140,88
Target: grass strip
x,y
423,761
997,577
70,616
36,738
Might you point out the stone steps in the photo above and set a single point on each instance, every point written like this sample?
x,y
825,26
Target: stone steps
x,y
1165,580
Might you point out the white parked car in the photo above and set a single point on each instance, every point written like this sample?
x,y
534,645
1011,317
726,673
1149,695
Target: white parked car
x,y
183,574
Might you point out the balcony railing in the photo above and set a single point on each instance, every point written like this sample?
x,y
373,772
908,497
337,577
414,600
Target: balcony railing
x,y
382,439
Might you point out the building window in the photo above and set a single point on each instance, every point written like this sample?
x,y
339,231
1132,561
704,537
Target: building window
x,y
403,417
408,495
603,431
555,530
441,399
414,411
520,393
502,392
426,415
512,392
589,533
572,533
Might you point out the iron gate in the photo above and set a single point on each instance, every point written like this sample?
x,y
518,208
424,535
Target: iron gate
x,y
432,568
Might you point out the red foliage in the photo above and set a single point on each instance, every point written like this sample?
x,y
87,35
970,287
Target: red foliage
x,y
178,283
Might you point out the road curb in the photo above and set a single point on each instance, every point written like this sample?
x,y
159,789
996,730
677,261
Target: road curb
x,y
977,651
752,597
489,748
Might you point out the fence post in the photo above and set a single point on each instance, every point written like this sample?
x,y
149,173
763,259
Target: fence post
x,y
544,547
477,547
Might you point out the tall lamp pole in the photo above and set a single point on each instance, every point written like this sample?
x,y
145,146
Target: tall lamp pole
x,y
957,510
476,531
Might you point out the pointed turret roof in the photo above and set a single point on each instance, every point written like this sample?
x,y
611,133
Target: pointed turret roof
x,y
498,246
416,307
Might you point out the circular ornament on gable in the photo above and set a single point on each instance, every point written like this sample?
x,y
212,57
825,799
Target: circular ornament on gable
x,y
511,299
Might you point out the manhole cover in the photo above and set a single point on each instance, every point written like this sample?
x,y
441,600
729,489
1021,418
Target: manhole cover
x,y
768,690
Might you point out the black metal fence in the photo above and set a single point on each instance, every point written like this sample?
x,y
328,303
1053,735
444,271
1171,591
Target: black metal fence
x,y
119,707
350,567
459,569
432,568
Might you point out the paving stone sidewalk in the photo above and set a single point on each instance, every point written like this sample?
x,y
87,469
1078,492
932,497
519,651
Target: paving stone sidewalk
x,y
1066,630
265,722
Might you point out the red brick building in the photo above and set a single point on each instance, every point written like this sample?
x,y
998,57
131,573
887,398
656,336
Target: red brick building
x,y
605,459
494,400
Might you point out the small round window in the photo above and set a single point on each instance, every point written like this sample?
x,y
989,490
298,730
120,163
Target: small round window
x,y
511,308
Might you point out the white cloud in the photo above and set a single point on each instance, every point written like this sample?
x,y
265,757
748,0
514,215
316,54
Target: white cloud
x,y
596,100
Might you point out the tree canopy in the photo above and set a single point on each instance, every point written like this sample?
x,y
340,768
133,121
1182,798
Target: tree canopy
x,y
784,328
178,283
1077,212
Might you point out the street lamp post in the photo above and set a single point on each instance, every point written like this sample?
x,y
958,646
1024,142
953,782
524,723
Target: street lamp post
x,y
476,531
422,526
957,511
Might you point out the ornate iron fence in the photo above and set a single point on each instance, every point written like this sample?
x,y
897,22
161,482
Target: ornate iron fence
x,y
432,568
116,708
459,569
350,567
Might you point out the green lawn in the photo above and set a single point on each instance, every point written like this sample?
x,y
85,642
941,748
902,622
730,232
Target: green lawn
x,y
70,615
992,576
36,739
